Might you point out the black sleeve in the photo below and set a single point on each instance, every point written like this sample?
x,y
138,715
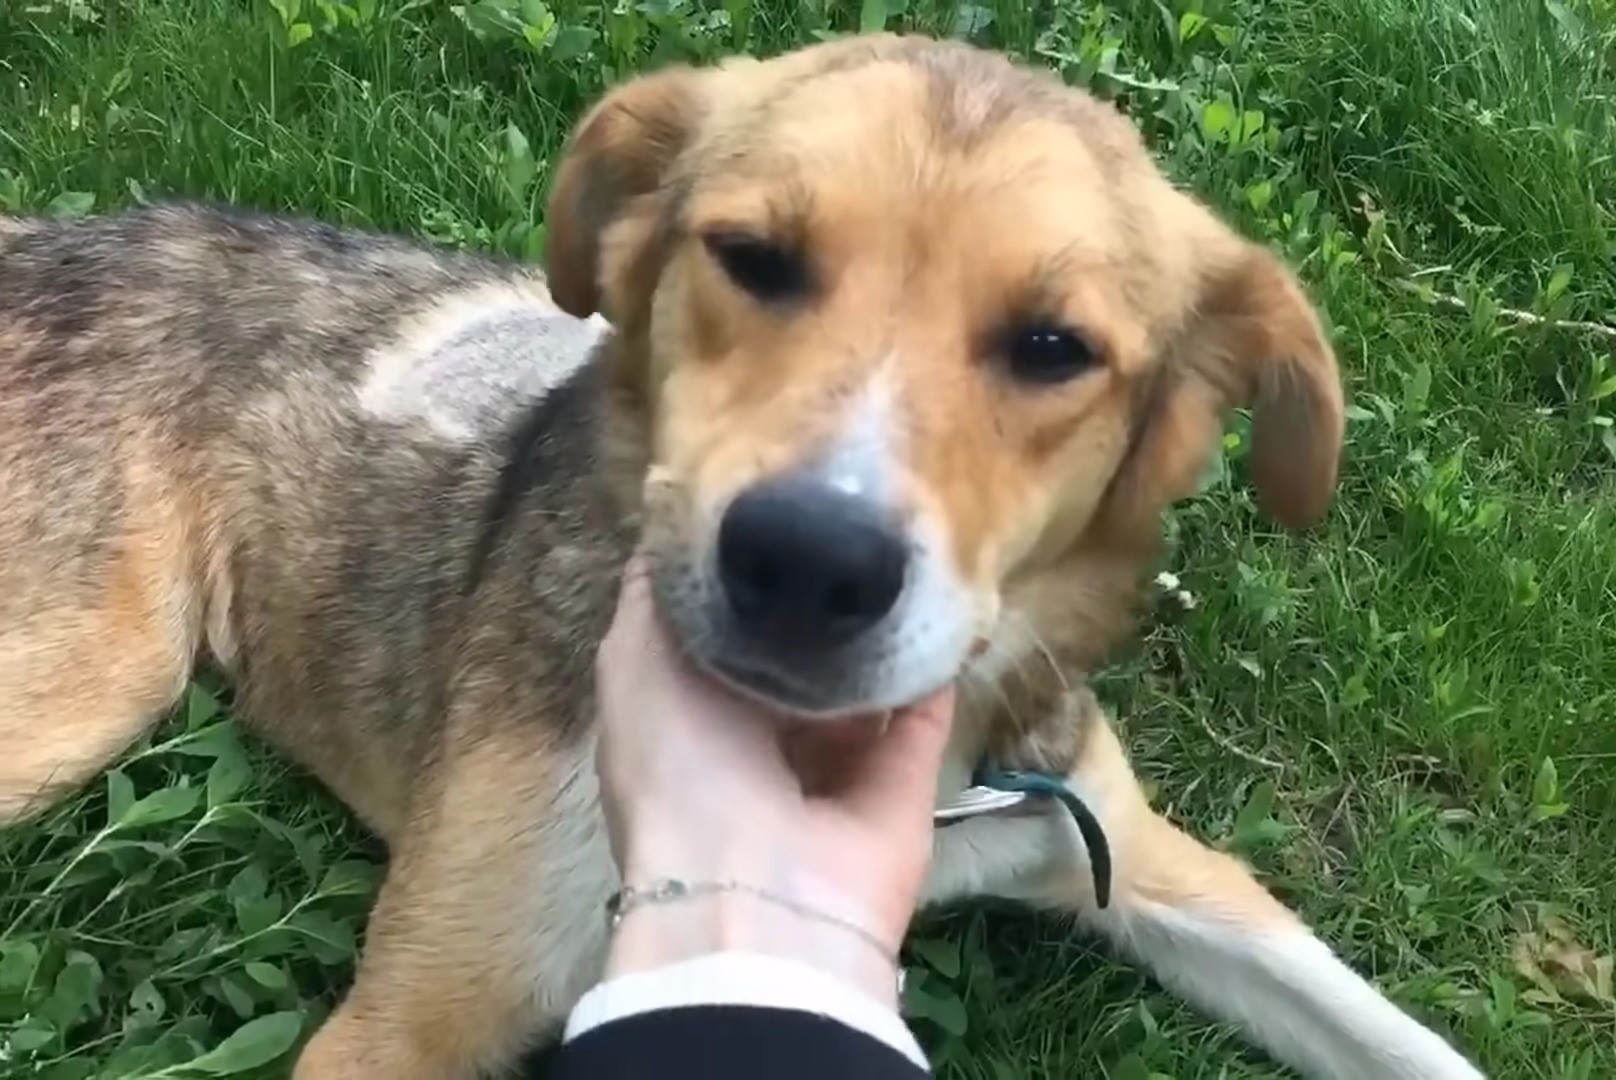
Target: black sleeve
x,y
730,1042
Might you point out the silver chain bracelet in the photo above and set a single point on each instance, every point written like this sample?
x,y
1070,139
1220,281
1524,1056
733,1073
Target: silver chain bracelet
x,y
672,890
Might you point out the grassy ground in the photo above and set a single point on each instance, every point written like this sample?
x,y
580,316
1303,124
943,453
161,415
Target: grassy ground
x,y
1407,723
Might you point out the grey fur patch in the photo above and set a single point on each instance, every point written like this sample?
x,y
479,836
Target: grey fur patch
x,y
471,366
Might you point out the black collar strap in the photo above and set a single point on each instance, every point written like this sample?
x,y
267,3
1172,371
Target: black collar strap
x,y
1050,785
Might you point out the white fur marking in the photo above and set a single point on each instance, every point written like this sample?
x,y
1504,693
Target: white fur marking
x,y
861,460
464,365
1005,857
1290,992
930,631
1283,986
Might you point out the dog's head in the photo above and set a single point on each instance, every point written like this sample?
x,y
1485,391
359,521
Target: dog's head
x,y
905,323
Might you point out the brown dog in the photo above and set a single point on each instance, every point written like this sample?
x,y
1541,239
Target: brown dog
x,y
909,348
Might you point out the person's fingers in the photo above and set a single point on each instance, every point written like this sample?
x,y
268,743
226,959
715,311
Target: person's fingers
x,y
637,649
645,683
633,600
896,775
620,658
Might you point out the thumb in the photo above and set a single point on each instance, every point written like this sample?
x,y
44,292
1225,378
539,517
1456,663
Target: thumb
x,y
896,776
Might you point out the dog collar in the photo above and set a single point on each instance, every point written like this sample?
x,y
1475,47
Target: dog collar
x,y
993,789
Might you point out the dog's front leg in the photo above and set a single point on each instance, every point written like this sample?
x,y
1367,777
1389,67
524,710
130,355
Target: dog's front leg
x,y
1200,922
490,924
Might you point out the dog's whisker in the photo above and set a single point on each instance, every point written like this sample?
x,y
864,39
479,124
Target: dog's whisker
x,y
1048,655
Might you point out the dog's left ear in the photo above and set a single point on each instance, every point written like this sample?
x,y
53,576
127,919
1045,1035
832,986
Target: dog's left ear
x,y
1252,340
601,215
1261,341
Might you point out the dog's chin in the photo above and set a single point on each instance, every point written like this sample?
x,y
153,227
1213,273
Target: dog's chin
x,y
798,700
781,694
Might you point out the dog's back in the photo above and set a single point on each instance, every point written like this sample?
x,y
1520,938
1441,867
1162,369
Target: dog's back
x,y
242,436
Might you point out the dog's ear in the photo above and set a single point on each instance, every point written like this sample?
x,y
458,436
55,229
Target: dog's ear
x,y
615,161
1262,339
1254,341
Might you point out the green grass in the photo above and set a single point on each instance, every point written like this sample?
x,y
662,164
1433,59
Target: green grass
x,y
1407,722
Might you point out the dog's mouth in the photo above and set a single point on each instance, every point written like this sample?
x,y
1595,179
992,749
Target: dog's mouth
x,y
801,685
776,689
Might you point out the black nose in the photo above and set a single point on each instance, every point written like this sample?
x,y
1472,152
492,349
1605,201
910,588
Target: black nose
x,y
805,565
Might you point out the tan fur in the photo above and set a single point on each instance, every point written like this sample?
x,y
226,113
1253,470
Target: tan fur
x,y
280,502
1039,488
134,627
463,985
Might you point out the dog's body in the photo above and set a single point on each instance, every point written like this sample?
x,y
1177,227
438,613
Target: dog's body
x,y
390,491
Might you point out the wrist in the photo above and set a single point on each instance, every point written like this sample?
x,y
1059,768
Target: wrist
x,y
654,935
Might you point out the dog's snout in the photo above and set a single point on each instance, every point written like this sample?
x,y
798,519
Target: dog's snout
x,y
806,565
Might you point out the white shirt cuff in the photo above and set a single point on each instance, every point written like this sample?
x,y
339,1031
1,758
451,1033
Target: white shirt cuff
x,y
735,978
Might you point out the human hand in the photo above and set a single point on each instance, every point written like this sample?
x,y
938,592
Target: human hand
x,y
703,786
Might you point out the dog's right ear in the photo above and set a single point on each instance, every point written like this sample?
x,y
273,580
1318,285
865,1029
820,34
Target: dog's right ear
x,y
614,164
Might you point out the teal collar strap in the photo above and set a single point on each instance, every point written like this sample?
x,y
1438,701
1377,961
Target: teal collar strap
x,y
1050,785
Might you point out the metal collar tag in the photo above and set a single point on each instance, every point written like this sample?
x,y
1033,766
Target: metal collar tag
x,y
994,790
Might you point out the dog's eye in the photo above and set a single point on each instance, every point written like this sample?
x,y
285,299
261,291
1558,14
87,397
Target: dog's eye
x,y
1047,353
767,270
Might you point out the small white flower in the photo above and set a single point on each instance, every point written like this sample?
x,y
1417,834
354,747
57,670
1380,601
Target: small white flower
x,y
1167,580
